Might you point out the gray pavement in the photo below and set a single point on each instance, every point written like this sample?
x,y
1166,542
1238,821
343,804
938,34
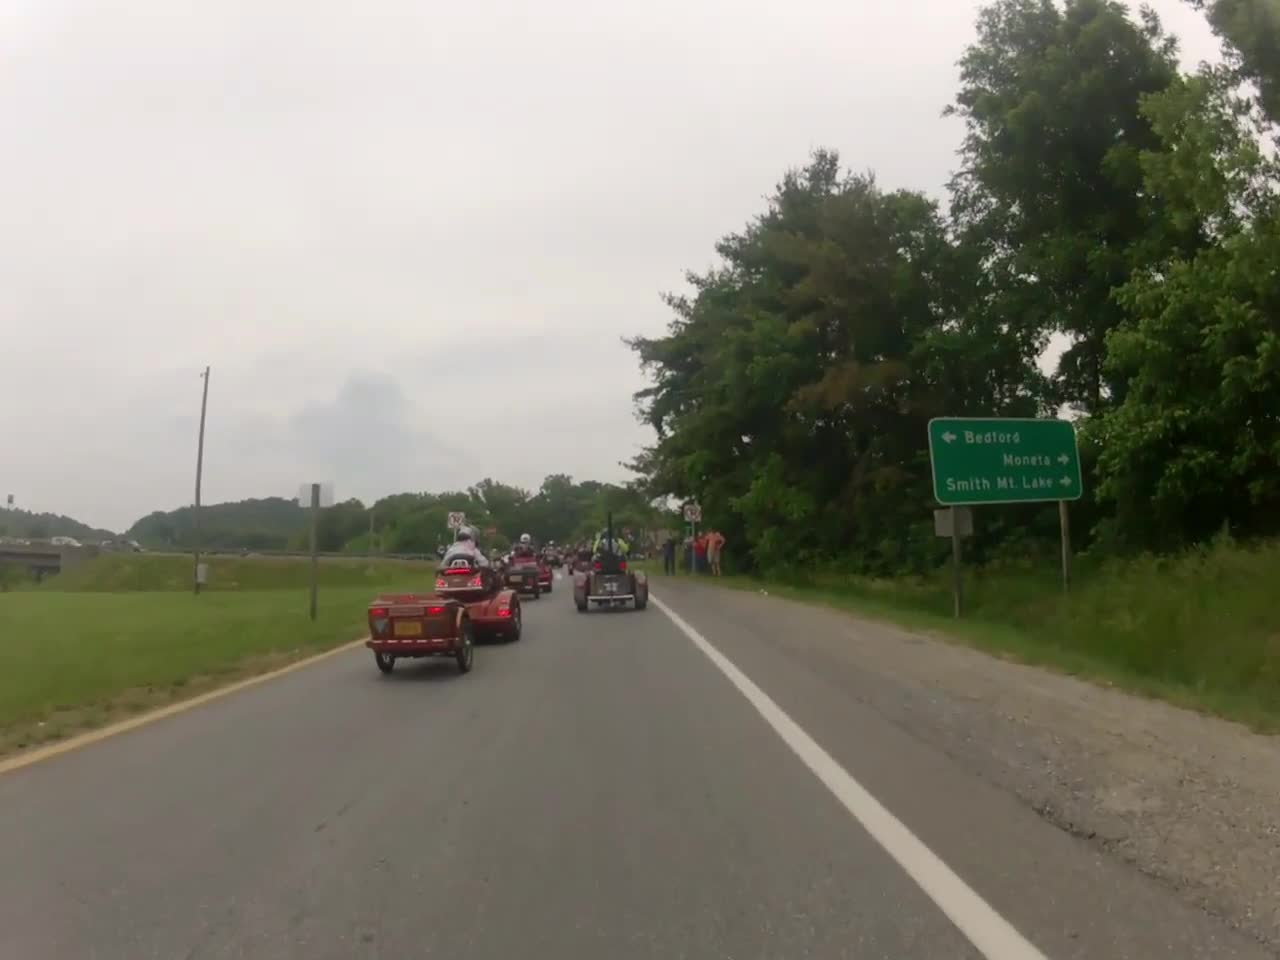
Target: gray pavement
x,y
598,790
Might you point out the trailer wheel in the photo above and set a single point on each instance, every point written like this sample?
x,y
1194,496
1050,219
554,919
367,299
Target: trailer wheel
x,y
466,654
385,661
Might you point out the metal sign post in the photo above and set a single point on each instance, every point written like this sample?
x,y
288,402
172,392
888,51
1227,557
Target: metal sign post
x,y
957,582
956,523
317,495
315,546
1064,524
693,516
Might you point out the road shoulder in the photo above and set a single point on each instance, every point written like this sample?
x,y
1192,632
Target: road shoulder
x,y
1184,798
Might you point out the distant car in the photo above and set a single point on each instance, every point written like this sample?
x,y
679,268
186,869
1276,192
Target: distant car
x,y
65,542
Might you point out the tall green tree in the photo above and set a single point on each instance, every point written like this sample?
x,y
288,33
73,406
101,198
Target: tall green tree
x,y
793,387
1050,190
1251,31
1196,442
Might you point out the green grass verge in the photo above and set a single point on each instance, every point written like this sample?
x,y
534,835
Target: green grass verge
x,y
74,658
118,572
1201,629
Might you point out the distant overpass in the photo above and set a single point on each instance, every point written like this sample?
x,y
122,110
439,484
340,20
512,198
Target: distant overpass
x,y
42,559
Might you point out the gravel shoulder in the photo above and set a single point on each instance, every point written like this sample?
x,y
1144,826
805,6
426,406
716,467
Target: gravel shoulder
x,y
1191,800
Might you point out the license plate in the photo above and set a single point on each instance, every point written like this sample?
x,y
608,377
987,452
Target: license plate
x,y
408,628
611,587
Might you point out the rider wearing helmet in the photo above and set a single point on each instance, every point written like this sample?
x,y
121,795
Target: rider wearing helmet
x,y
524,548
464,544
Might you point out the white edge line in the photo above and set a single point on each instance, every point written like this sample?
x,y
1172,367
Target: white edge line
x,y
987,930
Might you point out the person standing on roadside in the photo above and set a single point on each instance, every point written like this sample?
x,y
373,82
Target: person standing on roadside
x,y
715,543
700,554
669,555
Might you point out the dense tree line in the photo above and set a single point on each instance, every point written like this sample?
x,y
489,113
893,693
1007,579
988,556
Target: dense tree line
x,y
1105,201
256,524
406,523
559,510
25,525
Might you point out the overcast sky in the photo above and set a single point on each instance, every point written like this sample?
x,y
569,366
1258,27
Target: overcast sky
x,y
407,235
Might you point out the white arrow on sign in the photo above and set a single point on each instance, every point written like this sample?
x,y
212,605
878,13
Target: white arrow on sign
x,y
1065,481
949,437
1063,459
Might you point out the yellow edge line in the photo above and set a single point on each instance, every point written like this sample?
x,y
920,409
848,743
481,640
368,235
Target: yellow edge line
x,y
143,719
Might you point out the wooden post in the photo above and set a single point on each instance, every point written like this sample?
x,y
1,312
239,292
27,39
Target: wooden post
x,y
315,545
955,559
1064,522
195,510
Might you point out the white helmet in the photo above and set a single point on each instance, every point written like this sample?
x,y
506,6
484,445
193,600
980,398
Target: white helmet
x,y
525,538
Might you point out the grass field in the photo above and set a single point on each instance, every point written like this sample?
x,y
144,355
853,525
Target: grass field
x,y
1201,629
124,634
116,572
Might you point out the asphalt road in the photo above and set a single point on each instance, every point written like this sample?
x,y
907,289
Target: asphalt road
x,y
602,789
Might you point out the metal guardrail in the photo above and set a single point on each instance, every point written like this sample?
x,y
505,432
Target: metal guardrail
x,y
42,558
291,554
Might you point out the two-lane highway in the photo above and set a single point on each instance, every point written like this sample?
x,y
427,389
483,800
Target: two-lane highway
x,y
602,789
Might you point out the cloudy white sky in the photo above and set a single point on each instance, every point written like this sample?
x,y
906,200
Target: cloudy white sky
x,y
407,235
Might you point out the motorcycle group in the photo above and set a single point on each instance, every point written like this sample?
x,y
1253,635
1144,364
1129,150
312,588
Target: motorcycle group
x,y
478,595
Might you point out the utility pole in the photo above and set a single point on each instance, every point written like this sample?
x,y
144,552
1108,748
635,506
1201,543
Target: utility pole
x,y
195,513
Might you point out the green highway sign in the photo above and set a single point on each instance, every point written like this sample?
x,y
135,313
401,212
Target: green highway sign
x,y
1003,460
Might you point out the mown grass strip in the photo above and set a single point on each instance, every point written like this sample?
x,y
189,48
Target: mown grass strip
x,y
74,658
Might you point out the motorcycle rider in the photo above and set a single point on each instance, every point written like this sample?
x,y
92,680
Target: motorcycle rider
x,y
617,545
465,545
524,549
